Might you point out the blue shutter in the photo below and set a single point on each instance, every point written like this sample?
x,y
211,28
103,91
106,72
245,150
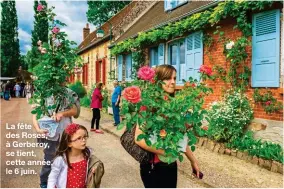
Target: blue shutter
x,y
266,49
193,54
198,54
128,70
161,54
119,70
167,5
153,57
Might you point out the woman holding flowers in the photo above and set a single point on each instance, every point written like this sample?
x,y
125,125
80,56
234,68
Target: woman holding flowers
x,y
158,172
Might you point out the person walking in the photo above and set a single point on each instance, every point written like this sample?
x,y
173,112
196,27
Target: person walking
x,y
7,90
17,89
64,117
96,105
115,100
74,162
157,174
28,91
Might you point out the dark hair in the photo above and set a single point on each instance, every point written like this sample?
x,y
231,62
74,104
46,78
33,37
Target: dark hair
x,y
64,149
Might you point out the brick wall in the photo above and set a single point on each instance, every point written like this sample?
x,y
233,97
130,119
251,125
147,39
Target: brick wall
x,y
218,58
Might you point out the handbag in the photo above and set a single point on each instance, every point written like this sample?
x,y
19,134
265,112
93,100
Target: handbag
x,y
127,140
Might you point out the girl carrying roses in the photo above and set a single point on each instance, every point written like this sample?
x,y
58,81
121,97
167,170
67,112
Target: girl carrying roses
x,y
157,174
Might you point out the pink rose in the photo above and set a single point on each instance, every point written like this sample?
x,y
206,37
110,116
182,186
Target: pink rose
x,y
55,30
40,7
132,94
39,48
43,51
143,108
146,73
268,103
39,43
206,70
59,44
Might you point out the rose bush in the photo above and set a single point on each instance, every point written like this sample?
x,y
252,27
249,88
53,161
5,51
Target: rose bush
x,y
160,116
56,63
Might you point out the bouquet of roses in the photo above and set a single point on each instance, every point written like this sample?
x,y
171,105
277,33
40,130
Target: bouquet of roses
x,y
57,61
167,122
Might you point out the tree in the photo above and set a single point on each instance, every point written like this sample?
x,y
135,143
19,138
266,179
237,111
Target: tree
x,y
10,48
101,11
39,33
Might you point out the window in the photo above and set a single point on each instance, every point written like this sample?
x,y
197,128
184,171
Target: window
x,y
171,4
186,56
128,67
119,67
154,60
124,67
177,59
193,55
266,35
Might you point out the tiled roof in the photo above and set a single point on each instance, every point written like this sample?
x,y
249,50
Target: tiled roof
x,y
115,20
157,15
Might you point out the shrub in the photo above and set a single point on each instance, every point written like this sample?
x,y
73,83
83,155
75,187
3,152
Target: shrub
x,y
78,88
265,150
85,101
228,118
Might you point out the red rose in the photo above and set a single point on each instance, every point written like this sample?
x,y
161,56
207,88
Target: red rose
x,y
166,98
205,128
188,126
206,70
132,94
143,108
146,73
268,103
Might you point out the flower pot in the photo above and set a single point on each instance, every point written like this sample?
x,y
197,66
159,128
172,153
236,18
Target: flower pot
x,y
109,110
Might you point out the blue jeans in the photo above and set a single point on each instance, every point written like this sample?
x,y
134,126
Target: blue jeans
x,y
115,110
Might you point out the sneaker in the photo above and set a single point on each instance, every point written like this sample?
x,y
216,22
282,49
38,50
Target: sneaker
x,y
93,130
99,131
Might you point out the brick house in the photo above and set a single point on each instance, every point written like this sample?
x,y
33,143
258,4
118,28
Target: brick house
x,y
187,53
98,65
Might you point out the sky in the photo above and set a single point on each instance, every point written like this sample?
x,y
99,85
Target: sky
x,y
70,12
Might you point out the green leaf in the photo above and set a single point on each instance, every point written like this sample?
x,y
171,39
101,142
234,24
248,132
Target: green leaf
x,y
192,148
140,137
120,126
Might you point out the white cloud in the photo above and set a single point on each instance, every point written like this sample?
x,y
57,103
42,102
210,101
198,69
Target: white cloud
x,y
72,13
28,47
24,36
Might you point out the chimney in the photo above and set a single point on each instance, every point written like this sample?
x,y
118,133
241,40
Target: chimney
x,y
86,31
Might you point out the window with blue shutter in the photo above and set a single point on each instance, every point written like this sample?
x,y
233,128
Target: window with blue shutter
x,y
177,59
194,55
154,60
172,4
119,69
266,49
161,54
128,67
